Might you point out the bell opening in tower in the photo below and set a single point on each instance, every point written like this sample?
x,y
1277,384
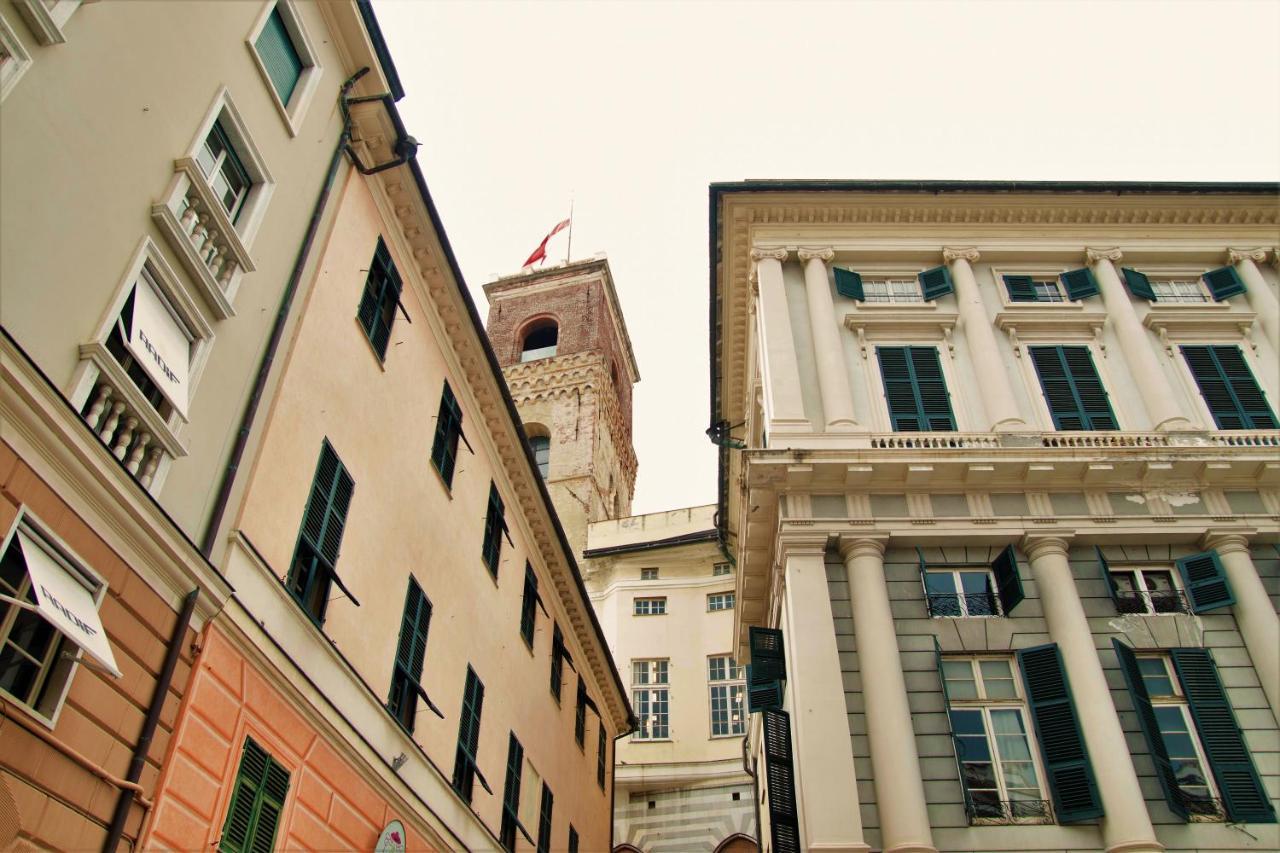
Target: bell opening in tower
x,y
540,341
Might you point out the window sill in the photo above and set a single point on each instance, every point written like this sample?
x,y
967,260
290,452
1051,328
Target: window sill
x,y
652,740
726,737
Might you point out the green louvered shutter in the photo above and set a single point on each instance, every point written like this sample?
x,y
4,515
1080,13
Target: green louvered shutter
x,y
849,284
1080,284
1228,387
511,794
1020,288
382,287
253,817
955,742
1224,282
444,450
1205,582
279,55
763,695
915,389
1150,728
1243,795
1138,283
544,820
411,650
1072,388
1105,568
1066,758
326,514
767,654
464,767
1008,579
784,823
935,282
493,524
528,604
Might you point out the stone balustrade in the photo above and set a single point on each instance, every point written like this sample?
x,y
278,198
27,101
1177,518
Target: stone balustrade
x,y
211,246
110,415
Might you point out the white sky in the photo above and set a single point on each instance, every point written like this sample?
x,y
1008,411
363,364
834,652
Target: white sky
x,y
631,109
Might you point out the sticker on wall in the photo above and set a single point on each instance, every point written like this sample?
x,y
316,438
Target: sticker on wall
x,y
392,839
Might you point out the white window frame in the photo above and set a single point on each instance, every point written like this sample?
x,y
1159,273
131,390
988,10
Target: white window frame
x,y
721,569
294,112
651,686
14,58
735,684
48,20
961,600
727,601
648,573
1179,700
1195,275
1036,272
886,281
64,667
1144,594
649,606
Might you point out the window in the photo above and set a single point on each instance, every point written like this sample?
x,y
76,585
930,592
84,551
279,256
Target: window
x,y
224,170
315,557
650,697
289,67
14,58
580,715
1072,388
1221,284
573,839
602,755
444,450
1228,387
511,795
1178,290
377,311
1186,755
721,569
540,341
1146,590
495,525
915,390
153,347
528,605
648,574
465,762
961,592
1027,288
541,447
891,289
720,601
279,55
728,686
925,286
558,656
544,820
650,606
993,742
262,784
411,649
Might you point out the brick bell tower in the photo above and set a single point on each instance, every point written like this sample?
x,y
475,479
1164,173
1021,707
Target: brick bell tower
x,y
562,342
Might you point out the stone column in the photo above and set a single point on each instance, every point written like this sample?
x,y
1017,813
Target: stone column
x,y
1144,367
826,786
833,375
1259,625
993,381
1126,827
1257,291
777,346
900,800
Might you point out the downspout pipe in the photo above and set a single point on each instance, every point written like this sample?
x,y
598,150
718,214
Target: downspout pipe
x,y
277,330
143,746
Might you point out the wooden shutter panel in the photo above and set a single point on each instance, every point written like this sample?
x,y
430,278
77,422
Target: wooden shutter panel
x,y
1105,568
1150,728
767,654
935,282
1066,758
1223,283
528,614
1079,284
1089,389
444,450
274,790
931,388
1056,384
1139,285
763,695
279,56
254,814
1229,388
849,284
1243,795
493,523
1008,579
955,742
784,824
326,514
1072,388
1205,582
899,389
1248,393
1020,288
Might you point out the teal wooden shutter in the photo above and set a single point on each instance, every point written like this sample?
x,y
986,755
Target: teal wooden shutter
x,y
1079,284
1105,568
580,714
464,768
511,794
849,284
557,660
768,656
1008,579
1020,288
915,389
1243,795
279,56
1205,581
544,819
1066,758
1072,388
955,742
1223,283
1139,285
935,282
784,823
1150,728
444,450
411,650
325,518
528,613
573,839
381,296
602,755
253,817
493,525
763,695
1228,387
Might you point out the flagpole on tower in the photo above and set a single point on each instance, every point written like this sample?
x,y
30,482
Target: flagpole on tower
x,y
568,248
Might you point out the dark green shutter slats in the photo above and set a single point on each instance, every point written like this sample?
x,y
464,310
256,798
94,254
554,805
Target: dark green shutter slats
x,y
955,742
580,713
528,604
1139,285
1243,795
544,820
464,768
602,755
1229,388
1080,284
1105,568
767,654
1020,288
784,821
1205,582
557,660
444,450
381,296
279,55
511,794
326,513
1072,388
411,650
935,282
1008,579
1150,728
763,695
915,389
493,524
849,284
1066,758
1224,282
253,817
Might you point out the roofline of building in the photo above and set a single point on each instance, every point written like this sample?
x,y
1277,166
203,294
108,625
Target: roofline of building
x,y
669,542
380,48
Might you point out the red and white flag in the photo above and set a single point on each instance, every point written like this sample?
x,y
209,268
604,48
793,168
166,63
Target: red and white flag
x,y
540,253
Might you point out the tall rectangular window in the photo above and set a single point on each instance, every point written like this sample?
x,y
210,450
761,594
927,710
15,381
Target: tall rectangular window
x,y
651,698
602,755
511,795
1228,387
961,592
580,714
466,759
727,686
528,605
411,649
279,55
377,311
915,389
1181,740
261,786
224,169
315,558
557,661
650,606
721,569
544,820
720,601
494,526
444,450
1072,388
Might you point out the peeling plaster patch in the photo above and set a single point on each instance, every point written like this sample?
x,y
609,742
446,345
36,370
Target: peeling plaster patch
x,y
1138,499
1182,498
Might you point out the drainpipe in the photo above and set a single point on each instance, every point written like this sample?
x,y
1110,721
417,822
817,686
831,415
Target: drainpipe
x,y
149,726
277,330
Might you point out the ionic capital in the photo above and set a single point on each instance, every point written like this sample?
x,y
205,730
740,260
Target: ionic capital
x,y
1095,255
852,546
1235,256
970,254
823,255
1226,541
1037,546
770,254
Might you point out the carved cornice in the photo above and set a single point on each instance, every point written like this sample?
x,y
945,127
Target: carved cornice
x,y
1094,255
967,254
824,255
1235,256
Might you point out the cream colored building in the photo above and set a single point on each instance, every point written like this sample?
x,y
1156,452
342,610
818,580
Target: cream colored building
x,y
1000,467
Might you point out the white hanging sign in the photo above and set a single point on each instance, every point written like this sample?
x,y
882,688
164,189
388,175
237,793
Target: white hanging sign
x,y
392,839
159,345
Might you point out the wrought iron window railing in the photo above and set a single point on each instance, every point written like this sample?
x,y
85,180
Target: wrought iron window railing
x,y
1153,601
984,811
964,604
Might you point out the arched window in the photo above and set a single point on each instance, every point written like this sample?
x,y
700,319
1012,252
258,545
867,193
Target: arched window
x,y
541,447
540,341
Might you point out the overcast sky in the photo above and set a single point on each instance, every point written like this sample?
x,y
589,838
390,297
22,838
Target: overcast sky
x,y
631,109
